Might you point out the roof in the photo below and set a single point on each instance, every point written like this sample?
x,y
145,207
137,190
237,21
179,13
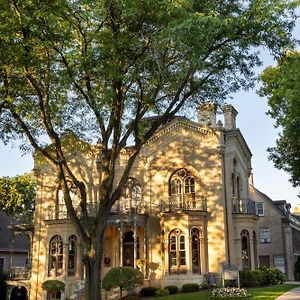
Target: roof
x,y
21,243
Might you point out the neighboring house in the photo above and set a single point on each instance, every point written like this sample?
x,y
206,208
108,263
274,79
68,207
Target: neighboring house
x,y
14,256
187,209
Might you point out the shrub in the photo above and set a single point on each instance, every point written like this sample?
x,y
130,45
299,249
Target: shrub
x,y
126,278
273,276
204,285
148,291
162,292
53,286
173,289
229,292
190,287
3,286
297,269
252,278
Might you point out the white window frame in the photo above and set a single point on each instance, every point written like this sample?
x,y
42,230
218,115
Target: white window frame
x,y
281,264
265,235
260,211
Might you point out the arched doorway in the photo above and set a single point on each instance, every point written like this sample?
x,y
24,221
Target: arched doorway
x,y
128,249
19,293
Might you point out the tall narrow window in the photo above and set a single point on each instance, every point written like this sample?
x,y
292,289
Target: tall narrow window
x,y
131,196
177,258
182,190
195,240
72,251
246,264
235,207
265,235
56,256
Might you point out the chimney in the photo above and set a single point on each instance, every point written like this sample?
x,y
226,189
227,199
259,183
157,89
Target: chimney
x,y
230,114
207,114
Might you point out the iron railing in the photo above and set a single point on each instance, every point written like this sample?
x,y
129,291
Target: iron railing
x,y
243,206
192,201
19,273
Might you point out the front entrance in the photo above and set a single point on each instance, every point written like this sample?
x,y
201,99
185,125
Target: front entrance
x,y
18,293
128,249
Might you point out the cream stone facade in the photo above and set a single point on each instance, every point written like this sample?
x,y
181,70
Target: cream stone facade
x,y
187,209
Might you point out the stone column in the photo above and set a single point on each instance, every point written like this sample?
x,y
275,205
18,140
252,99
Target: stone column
x,y
121,242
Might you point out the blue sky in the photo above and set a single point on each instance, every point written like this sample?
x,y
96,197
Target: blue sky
x,y
255,125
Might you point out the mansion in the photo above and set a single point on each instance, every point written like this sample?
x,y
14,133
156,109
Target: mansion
x,y
188,208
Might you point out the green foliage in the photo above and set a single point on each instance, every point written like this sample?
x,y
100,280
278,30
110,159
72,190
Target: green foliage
x,y
204,285
148,291
126,278
273,276
161,292
173,289
297,269
252,278
190,287
17,196
53,286
281,85
3,285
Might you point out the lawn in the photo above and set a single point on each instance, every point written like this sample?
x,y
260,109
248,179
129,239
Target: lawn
x,y
261,293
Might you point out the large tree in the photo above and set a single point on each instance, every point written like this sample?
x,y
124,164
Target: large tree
x,y
17,195
281,85
116,70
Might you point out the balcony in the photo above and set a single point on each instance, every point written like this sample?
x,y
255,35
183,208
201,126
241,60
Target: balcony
x,y
187,202
243,206
19,273
122,206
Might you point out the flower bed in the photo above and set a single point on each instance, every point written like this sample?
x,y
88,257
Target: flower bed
x,y
229,292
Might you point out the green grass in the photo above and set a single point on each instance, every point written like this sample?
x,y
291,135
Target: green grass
x,y
261,293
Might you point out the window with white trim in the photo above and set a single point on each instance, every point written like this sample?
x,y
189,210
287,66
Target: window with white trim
x,y
265,235
279,262
259,208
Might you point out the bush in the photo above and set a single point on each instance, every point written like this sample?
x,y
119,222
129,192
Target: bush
x,y
126,278
273,276
173,289
297,269
3,286
148,291
252,278
162,292
190,287
53,286
204,285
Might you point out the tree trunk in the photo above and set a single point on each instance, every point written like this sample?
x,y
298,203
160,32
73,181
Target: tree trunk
x,y
93,259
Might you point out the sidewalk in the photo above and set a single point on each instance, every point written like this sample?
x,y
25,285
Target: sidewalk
x,y
293,294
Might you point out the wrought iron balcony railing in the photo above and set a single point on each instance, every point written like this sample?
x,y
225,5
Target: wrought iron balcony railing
x,y
243,206
19,273
192,201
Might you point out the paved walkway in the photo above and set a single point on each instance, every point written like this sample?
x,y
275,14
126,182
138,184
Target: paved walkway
x,y
293,294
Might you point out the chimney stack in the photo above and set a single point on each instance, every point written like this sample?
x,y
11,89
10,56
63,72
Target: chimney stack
x,y
207,114
230,114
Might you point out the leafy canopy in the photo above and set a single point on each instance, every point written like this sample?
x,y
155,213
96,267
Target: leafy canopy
x,y
17,195
281,85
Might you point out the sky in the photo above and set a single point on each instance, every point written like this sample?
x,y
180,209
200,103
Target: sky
x,y
256,127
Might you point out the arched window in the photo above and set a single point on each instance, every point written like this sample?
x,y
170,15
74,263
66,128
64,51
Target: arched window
x,y
132,195
195,241
72,254
56,256
177,260
182,189
245,246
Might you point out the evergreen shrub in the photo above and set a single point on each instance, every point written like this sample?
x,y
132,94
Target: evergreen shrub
x,y
148,291
173,289
161,292
190,287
